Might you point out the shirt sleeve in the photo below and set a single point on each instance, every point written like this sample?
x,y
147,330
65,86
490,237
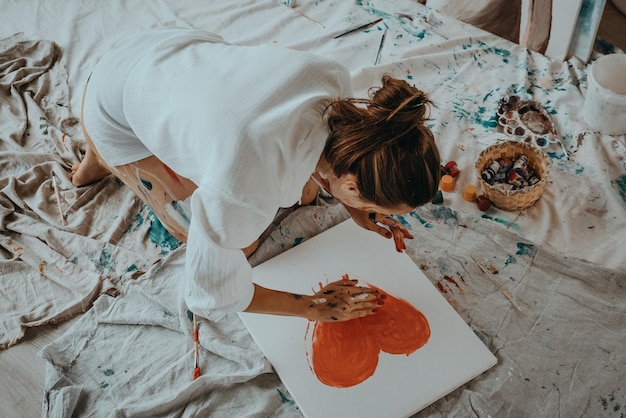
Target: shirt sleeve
x,y
218,275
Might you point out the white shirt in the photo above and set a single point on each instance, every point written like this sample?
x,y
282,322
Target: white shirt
x,y
244,123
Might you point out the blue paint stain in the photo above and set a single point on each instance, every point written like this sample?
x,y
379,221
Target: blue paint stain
x,y
108,372
447,215
403,221
105,260
525,249
137,222
504,222
421,220
620,183
490,123
298,240
160,236
132,267
181,211
146,184
284,398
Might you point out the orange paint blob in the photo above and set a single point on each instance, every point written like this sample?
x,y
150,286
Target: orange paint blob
x,y
346,353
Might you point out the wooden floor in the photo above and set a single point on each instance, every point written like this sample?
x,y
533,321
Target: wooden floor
x,y
23,372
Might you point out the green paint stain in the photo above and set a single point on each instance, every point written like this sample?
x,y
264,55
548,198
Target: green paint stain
x,y
403,221
108,372
284,399
525,249
298,240
447,215
504,222
104,262
490,123
510,260
621,186
136,224
104,385
421,220
160,236
132,267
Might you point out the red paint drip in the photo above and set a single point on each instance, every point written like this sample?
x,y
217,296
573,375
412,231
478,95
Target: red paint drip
x,y
451,280
441,288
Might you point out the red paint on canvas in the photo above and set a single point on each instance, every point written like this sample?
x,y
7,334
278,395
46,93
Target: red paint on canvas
x,y
346,353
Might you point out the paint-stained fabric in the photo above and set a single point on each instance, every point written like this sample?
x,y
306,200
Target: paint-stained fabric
x,y
133,355
238,122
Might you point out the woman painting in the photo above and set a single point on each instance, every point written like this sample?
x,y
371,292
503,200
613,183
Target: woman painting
x,y
216,137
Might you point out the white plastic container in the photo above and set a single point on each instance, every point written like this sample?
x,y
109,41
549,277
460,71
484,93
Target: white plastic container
x,y
604,109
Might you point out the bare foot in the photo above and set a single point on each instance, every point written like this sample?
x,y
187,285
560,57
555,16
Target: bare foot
x,y
88,171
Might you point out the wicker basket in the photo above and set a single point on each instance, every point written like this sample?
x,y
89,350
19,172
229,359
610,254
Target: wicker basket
x,y
519,199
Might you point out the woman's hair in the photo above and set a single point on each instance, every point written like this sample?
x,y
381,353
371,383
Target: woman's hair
x,y
383,142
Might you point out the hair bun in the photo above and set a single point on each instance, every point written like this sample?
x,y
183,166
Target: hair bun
x,y
399,102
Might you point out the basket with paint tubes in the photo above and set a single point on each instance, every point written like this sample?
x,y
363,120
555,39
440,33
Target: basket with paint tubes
x,y
512,174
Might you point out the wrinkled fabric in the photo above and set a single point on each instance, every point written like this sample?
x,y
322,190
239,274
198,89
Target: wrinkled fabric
x,y
563,356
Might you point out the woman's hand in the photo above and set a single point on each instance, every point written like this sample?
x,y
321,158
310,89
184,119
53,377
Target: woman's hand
x,y
344,300
383,225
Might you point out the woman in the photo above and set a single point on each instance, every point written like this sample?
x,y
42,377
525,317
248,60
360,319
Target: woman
x,y
216,137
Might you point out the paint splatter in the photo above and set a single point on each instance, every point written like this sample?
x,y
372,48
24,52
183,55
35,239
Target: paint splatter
x,y
508,224
509,260
525,249
451,280
447,215
108,372
106,258
421,220
147,184
345,354
160,236
621,186
284,399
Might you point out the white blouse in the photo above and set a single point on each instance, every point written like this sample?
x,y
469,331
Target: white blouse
x,y
244,123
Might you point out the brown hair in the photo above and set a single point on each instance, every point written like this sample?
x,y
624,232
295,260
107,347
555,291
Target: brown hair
x,y
385,144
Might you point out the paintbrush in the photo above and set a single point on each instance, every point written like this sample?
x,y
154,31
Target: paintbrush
x,y
298,12
58,196
495,281
380,47
196,366
358,28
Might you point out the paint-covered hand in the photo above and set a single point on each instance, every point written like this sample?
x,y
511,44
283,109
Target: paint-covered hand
x,y
344,300
383,225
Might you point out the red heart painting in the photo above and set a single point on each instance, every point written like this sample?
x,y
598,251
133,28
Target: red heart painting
x,y
344,354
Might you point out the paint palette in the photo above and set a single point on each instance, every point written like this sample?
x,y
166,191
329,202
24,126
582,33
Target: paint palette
x,y
527,121
398,382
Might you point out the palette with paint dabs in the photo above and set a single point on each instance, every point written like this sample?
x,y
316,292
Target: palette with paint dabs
x,y
526,121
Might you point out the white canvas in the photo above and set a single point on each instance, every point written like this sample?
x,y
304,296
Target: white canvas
x,y
401,385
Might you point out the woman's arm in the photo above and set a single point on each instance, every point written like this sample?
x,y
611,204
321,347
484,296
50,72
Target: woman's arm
x,y
337,301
